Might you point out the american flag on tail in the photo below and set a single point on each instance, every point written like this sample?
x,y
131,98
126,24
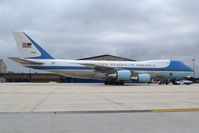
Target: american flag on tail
x,y
26,45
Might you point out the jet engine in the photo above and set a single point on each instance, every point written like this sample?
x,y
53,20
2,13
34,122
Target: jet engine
x,y
126,75
144,78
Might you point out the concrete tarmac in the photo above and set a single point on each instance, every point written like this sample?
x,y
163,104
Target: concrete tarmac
x,y
54,97
96,108
164,122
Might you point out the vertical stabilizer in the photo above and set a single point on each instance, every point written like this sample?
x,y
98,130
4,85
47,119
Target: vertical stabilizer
x,y
29,48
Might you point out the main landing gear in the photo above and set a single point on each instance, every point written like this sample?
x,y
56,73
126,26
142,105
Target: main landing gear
x,y
114,83
166,82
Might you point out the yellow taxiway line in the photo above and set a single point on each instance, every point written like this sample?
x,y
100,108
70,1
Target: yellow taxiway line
x,y
174,110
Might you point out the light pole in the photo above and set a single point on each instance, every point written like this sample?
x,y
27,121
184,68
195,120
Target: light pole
x,y
193,67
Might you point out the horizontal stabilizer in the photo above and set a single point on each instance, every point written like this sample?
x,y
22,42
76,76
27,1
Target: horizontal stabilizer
x,y
25,61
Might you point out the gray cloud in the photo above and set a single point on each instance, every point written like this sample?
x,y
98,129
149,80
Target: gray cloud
x,y
147,29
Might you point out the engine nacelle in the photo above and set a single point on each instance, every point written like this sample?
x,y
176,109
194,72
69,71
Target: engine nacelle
x,y
126,75
144,78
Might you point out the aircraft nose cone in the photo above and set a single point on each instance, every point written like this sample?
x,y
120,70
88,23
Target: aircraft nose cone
x,y
189,69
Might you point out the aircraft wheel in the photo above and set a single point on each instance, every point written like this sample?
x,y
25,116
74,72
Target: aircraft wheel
x,y
109,83
121,83
118,83
166,82
113,83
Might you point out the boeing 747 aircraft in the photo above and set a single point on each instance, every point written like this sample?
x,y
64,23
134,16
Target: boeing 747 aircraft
x,y
113,72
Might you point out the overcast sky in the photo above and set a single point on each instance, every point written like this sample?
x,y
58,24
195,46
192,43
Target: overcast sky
x,y
136,29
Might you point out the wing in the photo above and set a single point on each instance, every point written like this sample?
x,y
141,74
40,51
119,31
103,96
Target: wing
x,y
102,69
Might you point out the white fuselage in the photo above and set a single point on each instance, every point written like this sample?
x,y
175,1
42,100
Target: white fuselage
x,y
158,69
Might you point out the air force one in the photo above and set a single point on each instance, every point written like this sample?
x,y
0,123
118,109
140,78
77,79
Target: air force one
x,y
113,72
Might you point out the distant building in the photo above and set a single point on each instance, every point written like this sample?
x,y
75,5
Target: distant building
x,y
42,78
3,68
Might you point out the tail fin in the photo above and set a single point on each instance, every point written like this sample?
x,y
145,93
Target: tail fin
x,y
28,48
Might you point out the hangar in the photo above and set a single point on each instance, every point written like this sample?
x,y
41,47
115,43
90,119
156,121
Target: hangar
x,y
108,58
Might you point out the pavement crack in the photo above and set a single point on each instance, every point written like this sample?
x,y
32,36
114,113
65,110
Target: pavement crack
x,y
108,99
52,122
47,95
